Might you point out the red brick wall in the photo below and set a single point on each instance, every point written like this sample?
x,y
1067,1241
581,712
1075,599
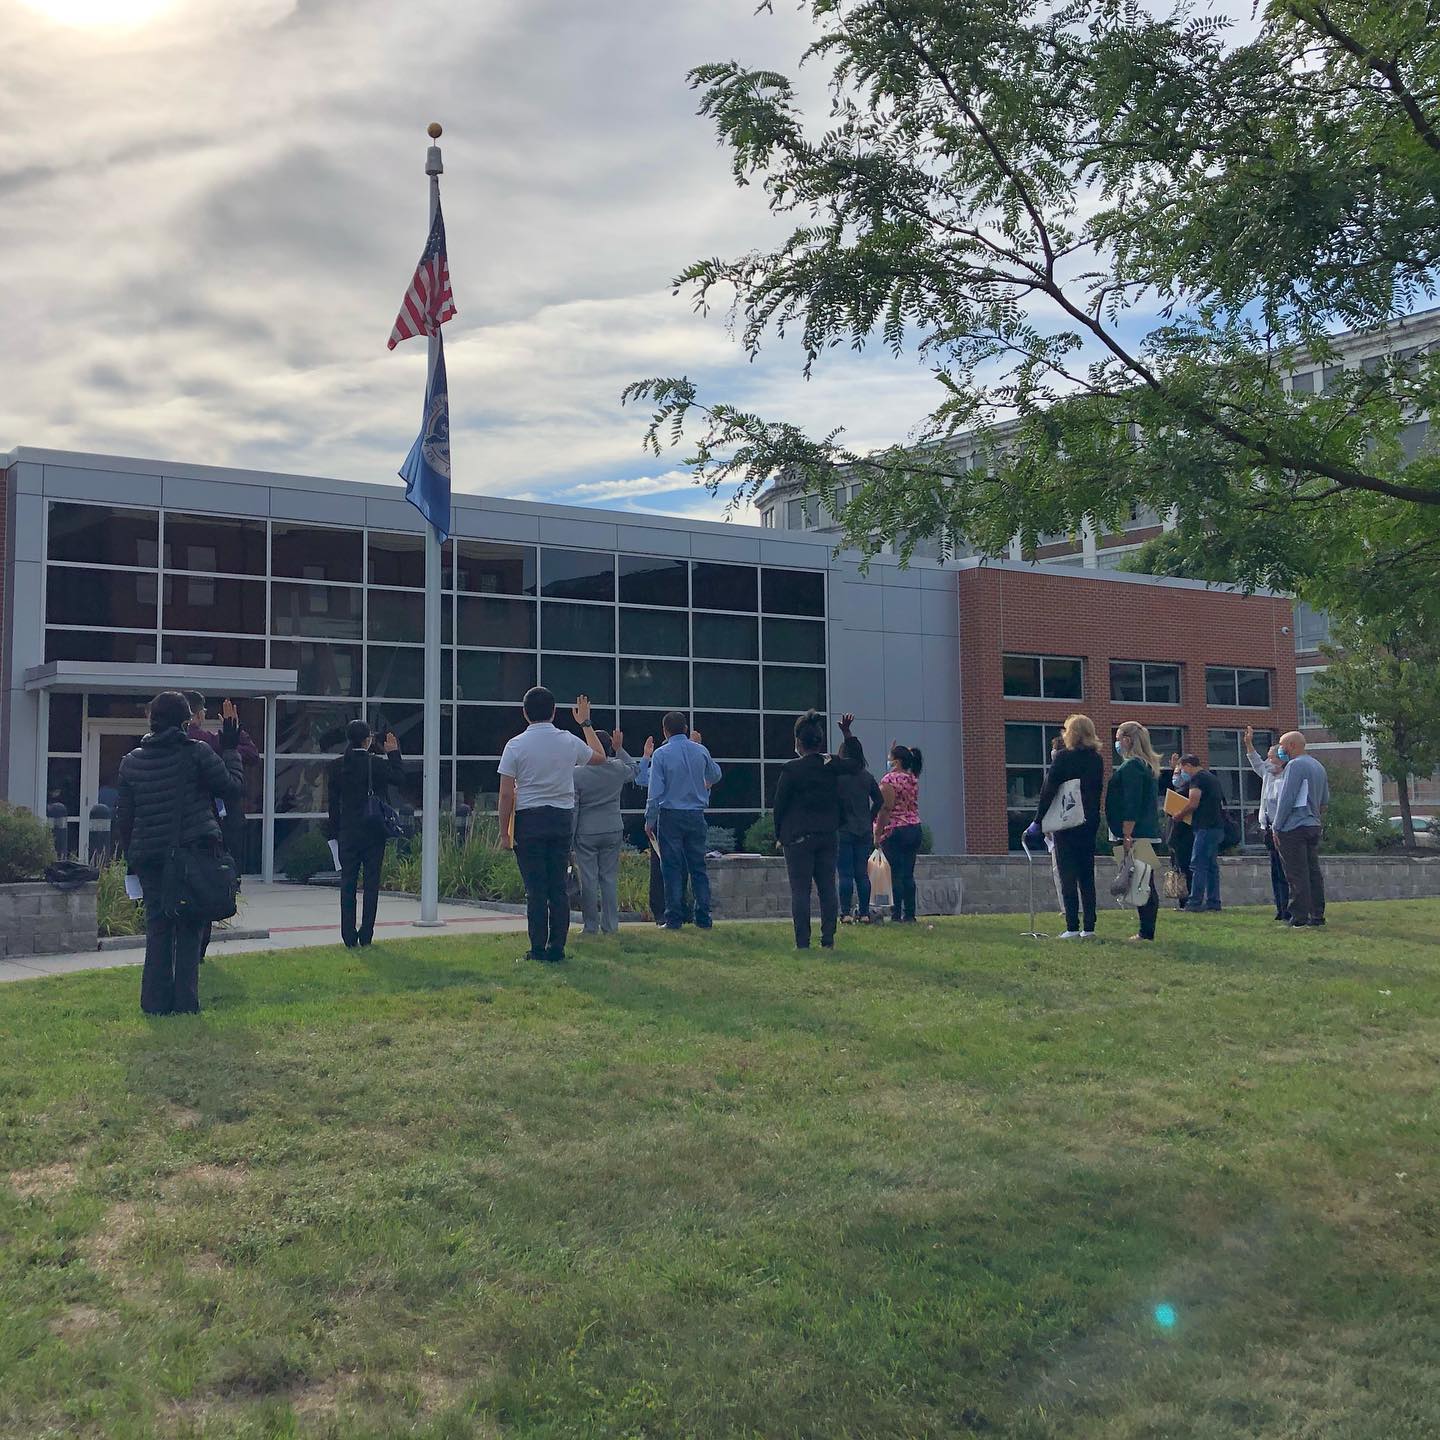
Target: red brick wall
x,y
1042,612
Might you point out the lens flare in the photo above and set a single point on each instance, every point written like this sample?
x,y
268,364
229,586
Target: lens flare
x,y
1165,1316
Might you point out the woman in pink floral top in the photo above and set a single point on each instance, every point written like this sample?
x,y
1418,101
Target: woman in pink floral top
x,y
897,827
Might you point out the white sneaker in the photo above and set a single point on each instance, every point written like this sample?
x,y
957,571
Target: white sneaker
x,y
1073,935
1087,934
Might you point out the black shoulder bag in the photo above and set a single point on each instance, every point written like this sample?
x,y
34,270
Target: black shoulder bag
x,y
200,883
382,818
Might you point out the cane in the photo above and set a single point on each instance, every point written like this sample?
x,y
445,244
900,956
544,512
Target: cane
x,y
1032,933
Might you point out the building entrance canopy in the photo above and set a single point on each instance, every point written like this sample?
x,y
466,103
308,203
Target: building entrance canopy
x,y
128,679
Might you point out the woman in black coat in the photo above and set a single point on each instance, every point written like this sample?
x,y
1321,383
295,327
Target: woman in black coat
x,y
167,793
1075,848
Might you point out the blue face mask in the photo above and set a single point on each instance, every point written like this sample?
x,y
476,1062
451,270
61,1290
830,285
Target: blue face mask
x,y
1182,777
1282,754
1119,750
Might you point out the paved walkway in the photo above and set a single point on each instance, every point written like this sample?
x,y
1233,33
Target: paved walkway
x,y
295,915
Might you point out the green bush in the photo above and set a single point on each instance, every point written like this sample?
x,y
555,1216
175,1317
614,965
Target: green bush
x,y
927,840
760,837
1353,826
26,845
115,912
303,855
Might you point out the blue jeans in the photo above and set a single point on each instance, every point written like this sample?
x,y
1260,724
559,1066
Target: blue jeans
x,y
901,846
681,834
852,863
1279,885
1205,870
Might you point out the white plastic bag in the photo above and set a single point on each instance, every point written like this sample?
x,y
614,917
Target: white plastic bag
x,y
882,888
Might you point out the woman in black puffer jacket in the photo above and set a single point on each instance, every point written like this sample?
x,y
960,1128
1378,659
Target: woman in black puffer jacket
x,y
172,779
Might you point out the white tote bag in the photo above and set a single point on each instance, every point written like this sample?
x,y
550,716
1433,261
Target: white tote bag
x,y
882,888
1066,810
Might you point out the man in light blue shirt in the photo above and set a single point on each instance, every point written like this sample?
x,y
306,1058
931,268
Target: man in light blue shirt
x,y
1299,810
681,773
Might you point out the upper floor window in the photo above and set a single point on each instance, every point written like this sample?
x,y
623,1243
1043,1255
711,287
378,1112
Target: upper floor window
x,y
1312,628
1144,682
1043,677
1248,689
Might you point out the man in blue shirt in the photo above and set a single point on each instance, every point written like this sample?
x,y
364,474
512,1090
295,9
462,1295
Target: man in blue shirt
x,y
1299,810
681,774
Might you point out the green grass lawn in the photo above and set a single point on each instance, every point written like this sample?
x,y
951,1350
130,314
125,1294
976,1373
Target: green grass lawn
x,y
937,1185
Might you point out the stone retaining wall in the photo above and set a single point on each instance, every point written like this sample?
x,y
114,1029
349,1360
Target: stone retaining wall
x,y
752,887
38,919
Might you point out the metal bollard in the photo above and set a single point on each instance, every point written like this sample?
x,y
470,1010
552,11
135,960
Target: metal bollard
x,y
58,817
100,831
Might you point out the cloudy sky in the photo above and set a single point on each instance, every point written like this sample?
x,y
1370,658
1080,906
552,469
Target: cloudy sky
x,y
209,213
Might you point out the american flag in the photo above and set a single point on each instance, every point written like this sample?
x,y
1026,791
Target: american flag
x,y
428,303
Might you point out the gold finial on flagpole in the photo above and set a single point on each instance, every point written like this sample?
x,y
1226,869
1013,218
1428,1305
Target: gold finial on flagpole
x,y
434,130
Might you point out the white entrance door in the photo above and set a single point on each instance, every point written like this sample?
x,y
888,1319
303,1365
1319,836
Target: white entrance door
x,y
107,743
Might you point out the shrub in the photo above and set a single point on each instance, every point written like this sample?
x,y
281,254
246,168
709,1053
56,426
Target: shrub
x,y
719,839
760,837
115,912
1353,826
303,855
26,845
927,840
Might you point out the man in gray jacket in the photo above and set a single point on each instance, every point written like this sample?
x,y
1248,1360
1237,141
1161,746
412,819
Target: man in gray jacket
x,y
600,833
1299,812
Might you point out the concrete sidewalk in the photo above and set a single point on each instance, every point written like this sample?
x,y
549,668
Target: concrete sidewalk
x,y
295,915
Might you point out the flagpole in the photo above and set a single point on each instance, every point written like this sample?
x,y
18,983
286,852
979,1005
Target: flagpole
x,y
430,782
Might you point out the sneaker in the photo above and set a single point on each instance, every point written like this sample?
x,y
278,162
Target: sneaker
x,y
1086,935
1071,934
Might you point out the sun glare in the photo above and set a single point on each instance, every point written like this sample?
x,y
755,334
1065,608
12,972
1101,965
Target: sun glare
x,y
97,14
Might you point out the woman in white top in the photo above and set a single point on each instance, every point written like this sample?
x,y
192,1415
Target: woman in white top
x,y
1271,771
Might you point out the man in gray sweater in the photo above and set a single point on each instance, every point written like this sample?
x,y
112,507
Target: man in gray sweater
x,y
1299,810
600,834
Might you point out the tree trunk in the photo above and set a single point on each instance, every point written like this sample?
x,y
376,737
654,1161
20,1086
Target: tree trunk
x,y
1407,821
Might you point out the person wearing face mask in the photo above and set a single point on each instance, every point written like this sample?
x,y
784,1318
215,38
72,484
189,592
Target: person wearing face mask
x,y
1077,759
1131,811
1300,806
1271,771
897,826
1205,809
1179,834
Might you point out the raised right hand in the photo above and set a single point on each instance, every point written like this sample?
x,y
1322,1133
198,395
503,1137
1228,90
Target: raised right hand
x,y
649,749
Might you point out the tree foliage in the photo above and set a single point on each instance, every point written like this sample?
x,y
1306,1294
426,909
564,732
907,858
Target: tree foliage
x,y
1109,231
1382,683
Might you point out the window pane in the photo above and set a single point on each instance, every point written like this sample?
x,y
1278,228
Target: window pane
x,y
203,542
792,592
501,624
494,675
1162,684
732,736
726,637
66,721
655,682
484,729
735,687
796,690
637,725
1252,687
1229,785
779,732
772,781
397,560
577,627
1127,681
316,552
800,641
647,580
407,723
327,612
739,786
320,669
216,605
100,535
1224,748
1022,786
1022,676
723,587
577,575
101,597
1024,745
311,727
646,632
212,650
62,784
1168,740
1064,679
571,675
397,671
1219,686
301,787
100,645
396,616
477,783
484,567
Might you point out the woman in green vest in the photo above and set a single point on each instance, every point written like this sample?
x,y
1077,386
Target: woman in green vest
x,y
1132,811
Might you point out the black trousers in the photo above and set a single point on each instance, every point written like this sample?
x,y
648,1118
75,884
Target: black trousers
x,y
170,981
542,849
1279,884
900,847
810,861
1075,860
1300,854
1148,912
356,855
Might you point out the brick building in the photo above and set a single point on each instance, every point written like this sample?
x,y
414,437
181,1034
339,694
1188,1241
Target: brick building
x,y
1194,665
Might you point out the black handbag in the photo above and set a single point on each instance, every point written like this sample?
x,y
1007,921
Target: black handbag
x,y
200,881
380,816
1232,836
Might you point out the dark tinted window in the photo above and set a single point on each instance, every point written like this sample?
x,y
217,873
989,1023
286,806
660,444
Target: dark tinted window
x,y
739,787
484,729
484,567
1253,687
407,724
475,780
577,575
800,641
655,682
792,592
99,645
100,597
733,687
316,552
1127,681
1064,679
311,727
197,602
396,671
1219,686
648,580
567,676
62,784
723,587
321,669
501,624
212,650
1022,676
65,721
397,560
797,690
396,616
1025,745
651,632
638,725
100,535
327,612
494,675
735,736
1162,684
780,737
726,637
206,543
576,627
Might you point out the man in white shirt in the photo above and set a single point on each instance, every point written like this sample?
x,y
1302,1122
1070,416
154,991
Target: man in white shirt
x,y
1271,771
537,813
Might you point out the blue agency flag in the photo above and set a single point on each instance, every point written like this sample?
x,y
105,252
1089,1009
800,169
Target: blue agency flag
x,y
426,471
